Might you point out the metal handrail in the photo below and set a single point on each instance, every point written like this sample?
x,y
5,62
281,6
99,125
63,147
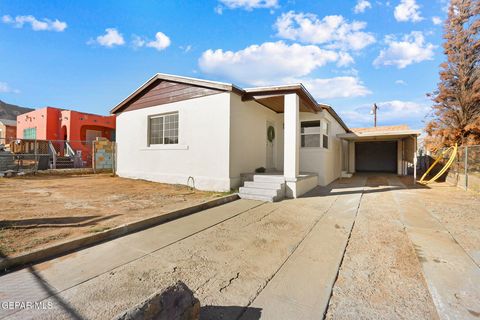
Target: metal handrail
x,y
70,151
53,153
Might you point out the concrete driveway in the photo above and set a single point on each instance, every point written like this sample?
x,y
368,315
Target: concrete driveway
x,y
365,247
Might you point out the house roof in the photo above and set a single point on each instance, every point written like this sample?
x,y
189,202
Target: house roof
x,y
169,77
335,115
380,133
272,91
380,129
7,122
260,94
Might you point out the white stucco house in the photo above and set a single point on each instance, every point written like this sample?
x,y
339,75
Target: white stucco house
x,y
213,136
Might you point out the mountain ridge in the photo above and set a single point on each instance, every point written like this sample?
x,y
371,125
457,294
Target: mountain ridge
x,y
11,111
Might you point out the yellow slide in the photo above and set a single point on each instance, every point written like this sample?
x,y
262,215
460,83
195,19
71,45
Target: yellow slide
x,y
444,169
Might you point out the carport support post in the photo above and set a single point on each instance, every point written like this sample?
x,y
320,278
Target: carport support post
x,y
415,152
291,163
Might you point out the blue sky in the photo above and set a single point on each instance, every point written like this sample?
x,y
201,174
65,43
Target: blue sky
x,y
89,55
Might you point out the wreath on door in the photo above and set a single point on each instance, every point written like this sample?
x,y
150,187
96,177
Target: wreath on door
x,y
270,133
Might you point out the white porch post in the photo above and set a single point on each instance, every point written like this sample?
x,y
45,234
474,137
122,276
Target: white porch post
x,y
291,163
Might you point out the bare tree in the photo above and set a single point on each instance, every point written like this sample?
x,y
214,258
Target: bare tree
x,y
456,109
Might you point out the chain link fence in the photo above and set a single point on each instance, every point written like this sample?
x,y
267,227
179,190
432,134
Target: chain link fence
x,y
464,172
25,155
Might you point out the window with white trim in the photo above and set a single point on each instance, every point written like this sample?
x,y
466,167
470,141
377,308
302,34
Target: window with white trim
x,y
310,134
163,129
325,134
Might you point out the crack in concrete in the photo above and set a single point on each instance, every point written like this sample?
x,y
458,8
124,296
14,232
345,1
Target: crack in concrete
x,y
230,282
261,218
203,285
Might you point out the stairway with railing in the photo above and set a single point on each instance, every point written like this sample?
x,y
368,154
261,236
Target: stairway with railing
x,y
61,162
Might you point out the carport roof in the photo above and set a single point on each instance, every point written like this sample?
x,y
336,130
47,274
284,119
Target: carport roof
x,y
380,133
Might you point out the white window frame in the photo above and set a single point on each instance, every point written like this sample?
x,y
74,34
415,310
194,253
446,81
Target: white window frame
x,y
325,131
306,134
162,115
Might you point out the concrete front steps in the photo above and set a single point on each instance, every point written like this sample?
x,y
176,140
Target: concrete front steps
x,y
346,174
264,187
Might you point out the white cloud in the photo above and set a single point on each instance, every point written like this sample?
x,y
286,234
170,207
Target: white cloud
x,y
400,82
5,88
344,59
160,43
333,31
390,113
408,10
361,6
412,48
266,63
110,39
276,63
37,25
445,5
248,4
138,42
338,87
437,21
186,48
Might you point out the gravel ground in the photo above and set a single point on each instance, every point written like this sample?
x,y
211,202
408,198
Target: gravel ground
x,y
380,277
39,211
459,212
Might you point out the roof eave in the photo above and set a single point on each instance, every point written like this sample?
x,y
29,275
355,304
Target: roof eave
x,y
335,115
291,88
380,134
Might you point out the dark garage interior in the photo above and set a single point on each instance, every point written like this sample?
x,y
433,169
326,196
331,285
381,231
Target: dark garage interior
x,y
376,156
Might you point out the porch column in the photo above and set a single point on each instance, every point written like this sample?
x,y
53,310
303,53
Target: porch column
x,y
291,162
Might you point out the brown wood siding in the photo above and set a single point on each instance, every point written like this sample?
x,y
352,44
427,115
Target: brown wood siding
x,y
163,92
277,104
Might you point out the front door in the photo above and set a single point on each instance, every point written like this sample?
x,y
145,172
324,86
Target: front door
x,y
270,141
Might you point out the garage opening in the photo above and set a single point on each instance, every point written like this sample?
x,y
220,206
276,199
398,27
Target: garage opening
x,y
376,156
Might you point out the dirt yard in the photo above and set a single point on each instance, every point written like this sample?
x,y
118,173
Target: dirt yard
x,y
39,211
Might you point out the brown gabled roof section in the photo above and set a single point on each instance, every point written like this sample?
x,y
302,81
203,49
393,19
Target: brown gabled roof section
x,y
271,97
220,86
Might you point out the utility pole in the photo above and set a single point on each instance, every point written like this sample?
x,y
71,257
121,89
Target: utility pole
x,y
374,112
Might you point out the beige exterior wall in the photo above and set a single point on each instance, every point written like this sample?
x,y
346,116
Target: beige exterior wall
x,y
248,137
248,140
327,163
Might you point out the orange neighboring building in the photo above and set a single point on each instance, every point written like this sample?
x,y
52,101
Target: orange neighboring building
x,y
54,124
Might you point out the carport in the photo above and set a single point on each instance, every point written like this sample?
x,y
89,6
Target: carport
x,y
390,149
